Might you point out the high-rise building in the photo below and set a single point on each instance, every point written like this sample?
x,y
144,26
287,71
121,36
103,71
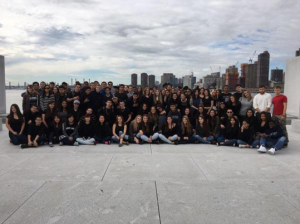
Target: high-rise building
x,y
232,76
263,69
251,75
298,53
168,78
151,81
277,75
144,80
242,79
189,80
134,79
211,80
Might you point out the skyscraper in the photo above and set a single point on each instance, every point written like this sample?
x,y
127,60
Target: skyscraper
x,y
168,78
263,69
151,81
251,75
232,76
144,80
277,75
243,74
134,79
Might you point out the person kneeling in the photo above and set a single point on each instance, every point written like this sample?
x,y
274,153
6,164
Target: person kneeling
x,y
273,138
86,131
36,133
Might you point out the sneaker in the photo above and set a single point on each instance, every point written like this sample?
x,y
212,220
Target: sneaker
x,y
176,142
24,146
50,144
106,143
262,149
242,146
126,143
120,145
61,143
272,151
218,144
234,145
76,144
109,142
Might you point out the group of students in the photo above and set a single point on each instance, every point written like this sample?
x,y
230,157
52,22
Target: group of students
x,y
99,113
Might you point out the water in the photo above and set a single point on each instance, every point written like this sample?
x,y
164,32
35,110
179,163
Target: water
x,y
14,96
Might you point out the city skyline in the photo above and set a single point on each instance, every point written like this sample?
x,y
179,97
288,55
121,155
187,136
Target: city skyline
x,y
44,40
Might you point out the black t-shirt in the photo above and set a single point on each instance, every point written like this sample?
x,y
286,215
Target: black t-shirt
x,y
35,130
207,101
225,97
124,113
121,96
237,95
15,124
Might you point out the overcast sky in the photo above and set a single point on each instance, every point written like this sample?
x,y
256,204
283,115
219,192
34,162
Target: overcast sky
x,y
110,40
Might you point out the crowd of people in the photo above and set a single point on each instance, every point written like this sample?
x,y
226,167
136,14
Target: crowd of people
x,y
100,113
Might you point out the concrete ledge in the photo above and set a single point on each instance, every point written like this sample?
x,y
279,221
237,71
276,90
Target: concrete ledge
x,y
296,125
2,117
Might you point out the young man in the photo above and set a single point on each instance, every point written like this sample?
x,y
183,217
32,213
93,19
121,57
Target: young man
x,y
279,102
175,114
111,86
134,104
239,92
273,138
35,136
225,96
124,112
74,95
30,116
262,102
121,95
60,96
108,113
76,111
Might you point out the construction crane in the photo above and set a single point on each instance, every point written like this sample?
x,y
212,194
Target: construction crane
x,y
237,63
250,60
211,69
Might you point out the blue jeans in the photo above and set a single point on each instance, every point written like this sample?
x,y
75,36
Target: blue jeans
x,y
201,140
85,141
126,137
102,140
255,143
166,140
230,142
66,141
145,138
17,139
273,143
191,139
241,142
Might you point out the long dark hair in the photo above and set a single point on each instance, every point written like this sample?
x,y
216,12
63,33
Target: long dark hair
x,y
235,128
50,113
59,123
44,92
11,114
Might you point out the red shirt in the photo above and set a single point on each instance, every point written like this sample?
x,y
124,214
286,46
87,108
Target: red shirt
x,y
278,101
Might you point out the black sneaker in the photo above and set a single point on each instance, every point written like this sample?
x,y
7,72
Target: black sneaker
x,y
120,145
24,146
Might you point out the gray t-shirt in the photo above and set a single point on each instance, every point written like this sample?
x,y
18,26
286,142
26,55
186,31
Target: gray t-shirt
x,y
245,105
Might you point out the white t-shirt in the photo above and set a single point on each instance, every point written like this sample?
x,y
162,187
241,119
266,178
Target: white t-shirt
x,y
262,101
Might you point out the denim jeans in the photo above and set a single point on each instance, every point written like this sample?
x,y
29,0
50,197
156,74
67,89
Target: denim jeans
x,y
17,139
126,137
85,141
53,138
191,139
241,142
273,143
102,140
201,140
145,138
230,142
255,143
66,141
166,140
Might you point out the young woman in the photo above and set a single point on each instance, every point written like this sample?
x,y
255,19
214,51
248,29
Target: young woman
x,y
15,124
146,98
144,109
222,111
234,104
153,118
231,133
215,98
169,132
48,117
146,133
246,135
62,112
187,112
186,135
203,131
195,101
103,131
213,121
140,91
250,118
208,102
86,132
246,104
157,98
119,132
174,100
201,95
70,132
166,99
260,128
201,111
46,98
55,129
134,129
184,103
30,98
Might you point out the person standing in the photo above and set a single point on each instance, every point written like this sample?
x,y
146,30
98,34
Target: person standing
x,y
246,104
279,102
262,102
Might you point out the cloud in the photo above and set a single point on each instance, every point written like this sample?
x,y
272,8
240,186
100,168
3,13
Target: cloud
x,y
112,39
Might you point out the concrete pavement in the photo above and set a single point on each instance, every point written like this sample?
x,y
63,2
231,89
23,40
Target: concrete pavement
x,y
149,184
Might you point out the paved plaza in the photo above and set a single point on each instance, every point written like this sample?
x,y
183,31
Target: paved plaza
x,y
149,184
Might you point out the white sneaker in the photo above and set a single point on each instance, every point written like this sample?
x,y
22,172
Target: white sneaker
x,y
262,149
242,146
76,144
61,143
272,151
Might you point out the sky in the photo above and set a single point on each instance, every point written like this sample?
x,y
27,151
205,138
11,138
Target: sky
x,y
46,40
